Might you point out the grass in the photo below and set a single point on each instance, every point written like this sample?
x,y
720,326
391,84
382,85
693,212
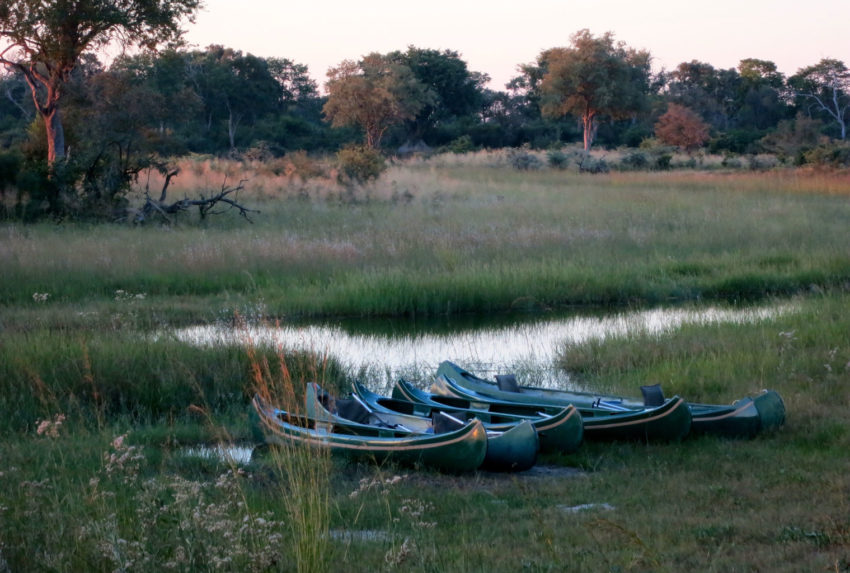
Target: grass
x,y
109,486
468,240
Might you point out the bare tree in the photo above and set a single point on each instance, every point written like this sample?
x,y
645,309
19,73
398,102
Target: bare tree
x,y
826,85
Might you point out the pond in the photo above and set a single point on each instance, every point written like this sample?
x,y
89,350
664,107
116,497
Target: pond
x,y
379,351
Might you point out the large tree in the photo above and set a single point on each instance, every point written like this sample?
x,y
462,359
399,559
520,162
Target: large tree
x,y
826,86
595,77
374,94
454,91
45,39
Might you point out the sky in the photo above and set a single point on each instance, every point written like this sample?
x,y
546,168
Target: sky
x,y
494,36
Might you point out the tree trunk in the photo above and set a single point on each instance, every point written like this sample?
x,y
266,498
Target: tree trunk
x,y
55,136
588,124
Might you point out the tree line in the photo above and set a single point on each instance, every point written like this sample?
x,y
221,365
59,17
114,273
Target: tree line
x,y
73,130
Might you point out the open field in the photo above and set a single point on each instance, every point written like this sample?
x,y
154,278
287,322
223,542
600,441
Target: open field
x,y
79,370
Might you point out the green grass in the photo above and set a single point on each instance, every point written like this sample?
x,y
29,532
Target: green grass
x,y
472,239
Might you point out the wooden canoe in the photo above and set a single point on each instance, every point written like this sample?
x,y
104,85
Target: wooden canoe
x,y
669,421
462,450
743,418
511,448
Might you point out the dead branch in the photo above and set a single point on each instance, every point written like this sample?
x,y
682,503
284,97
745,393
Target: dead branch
x,y
226,199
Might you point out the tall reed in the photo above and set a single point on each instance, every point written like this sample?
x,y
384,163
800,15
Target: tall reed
x,y
303,470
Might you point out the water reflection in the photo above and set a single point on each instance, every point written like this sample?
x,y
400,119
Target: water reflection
x,y
381,351
229,454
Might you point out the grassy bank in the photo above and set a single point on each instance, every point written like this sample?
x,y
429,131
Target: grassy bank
x,y
775,503
430,240
97,412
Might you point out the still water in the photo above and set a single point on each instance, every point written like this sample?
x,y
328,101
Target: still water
x,y
380,351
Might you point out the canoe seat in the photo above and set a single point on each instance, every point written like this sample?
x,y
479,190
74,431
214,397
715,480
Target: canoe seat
x,y
653,396
443,423
507,383
352,410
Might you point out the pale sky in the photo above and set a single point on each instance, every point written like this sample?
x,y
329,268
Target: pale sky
x,y
496,36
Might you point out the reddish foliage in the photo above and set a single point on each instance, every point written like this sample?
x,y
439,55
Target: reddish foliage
x,y
682,127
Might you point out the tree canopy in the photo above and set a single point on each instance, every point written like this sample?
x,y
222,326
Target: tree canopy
x,y
594,77
45,39
374,94
826,85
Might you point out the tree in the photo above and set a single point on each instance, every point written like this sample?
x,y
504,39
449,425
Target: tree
x,y
826,85
759,104
234,87
681,127
45,39
454,92
374,94
594,78
710,92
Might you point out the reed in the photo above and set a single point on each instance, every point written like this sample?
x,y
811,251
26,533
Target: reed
x,y
303,471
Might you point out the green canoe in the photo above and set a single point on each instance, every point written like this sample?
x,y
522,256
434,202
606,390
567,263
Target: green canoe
x,y
561,431
462,450
512,447
743,418
669,421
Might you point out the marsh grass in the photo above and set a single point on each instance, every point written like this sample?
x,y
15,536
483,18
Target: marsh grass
x,y
428,238
302,471
467,239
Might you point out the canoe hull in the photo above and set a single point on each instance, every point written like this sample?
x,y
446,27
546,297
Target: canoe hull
x,y
744,418
460,451
671,421
562,431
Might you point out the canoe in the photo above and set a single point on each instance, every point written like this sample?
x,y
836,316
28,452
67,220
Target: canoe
x,y
559,431
743,418
668,421
512,447
457,451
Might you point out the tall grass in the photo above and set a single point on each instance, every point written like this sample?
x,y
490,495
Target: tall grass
x,y
466,239
303,470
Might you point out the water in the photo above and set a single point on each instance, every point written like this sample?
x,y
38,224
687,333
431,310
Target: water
x,y
239,455
380,351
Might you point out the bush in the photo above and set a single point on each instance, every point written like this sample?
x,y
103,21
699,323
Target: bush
x,y
731,162
635,160
590,164
829,155
10,166
523,160
462,144
662,162
557,159
360,164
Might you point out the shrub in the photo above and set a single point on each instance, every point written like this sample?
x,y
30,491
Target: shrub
x,y
663,161
360,164
829,155
10,166
462,144
731,162
523,160
557,159
590,164
635,160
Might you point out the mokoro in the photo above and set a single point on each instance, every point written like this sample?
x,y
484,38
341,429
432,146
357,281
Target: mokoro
x,y
669,421
511,448
743,418
561,430
462,450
